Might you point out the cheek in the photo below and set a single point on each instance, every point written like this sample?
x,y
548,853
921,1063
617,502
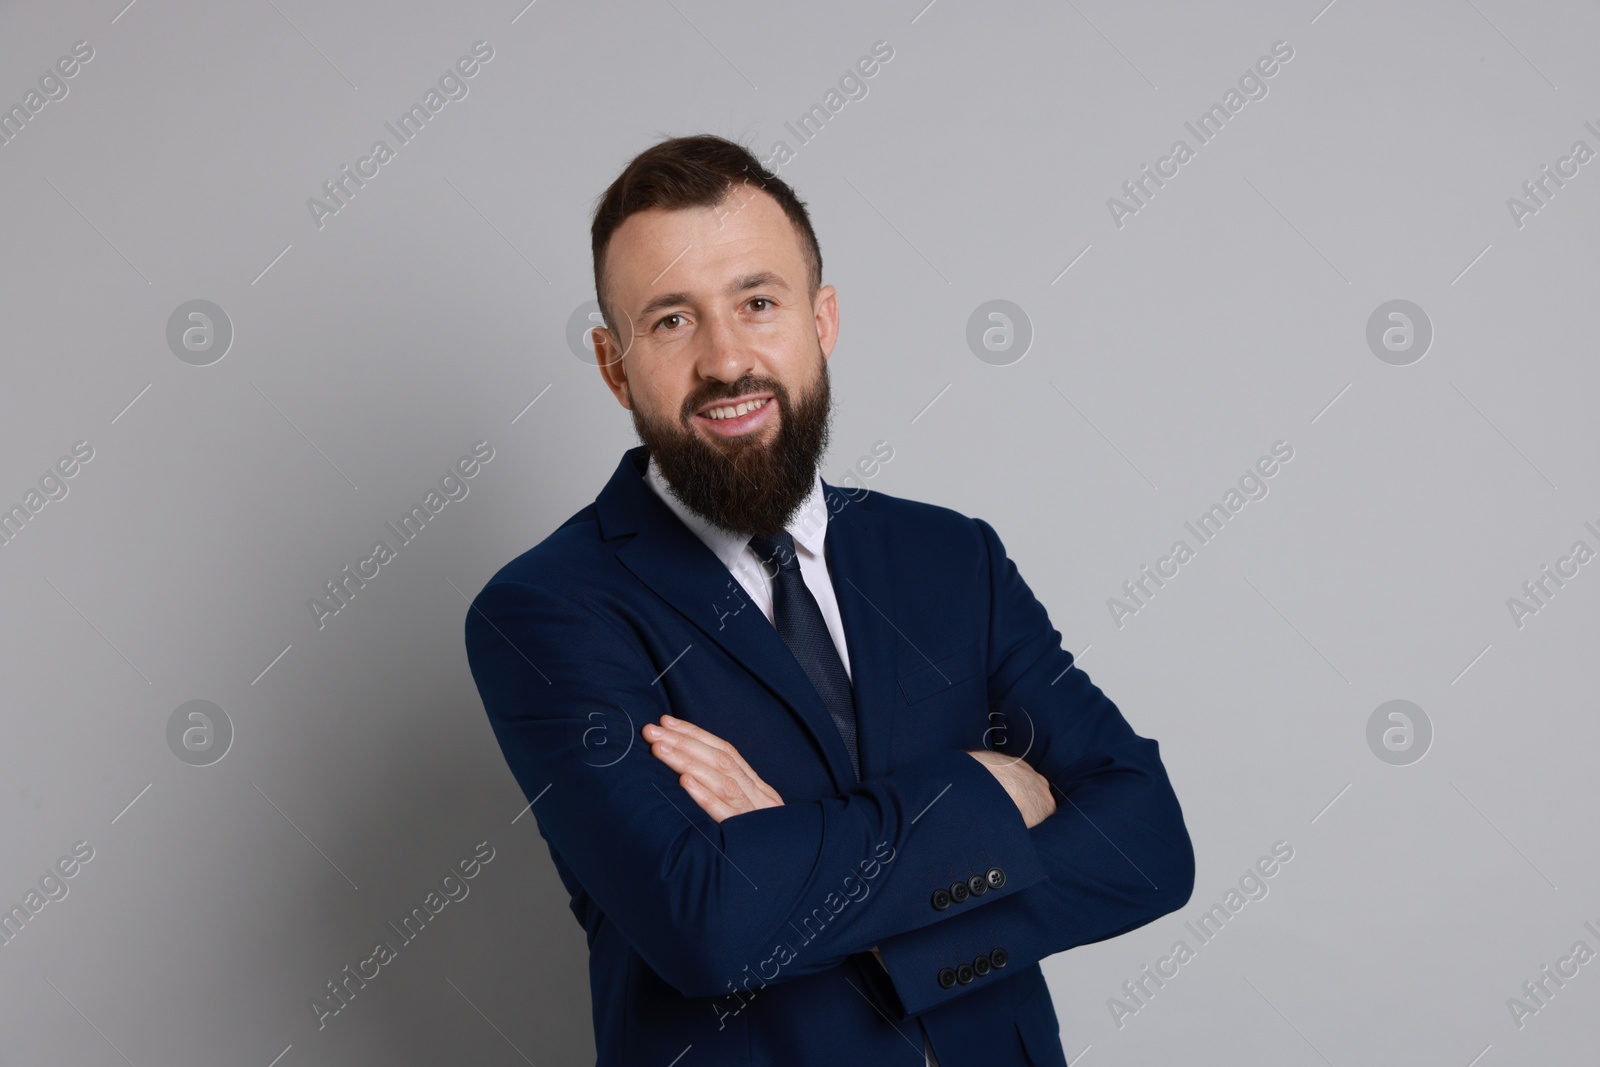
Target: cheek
x,y
658,382
793,357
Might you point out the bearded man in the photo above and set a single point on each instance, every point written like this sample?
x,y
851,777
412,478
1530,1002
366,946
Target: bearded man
x,y
820,781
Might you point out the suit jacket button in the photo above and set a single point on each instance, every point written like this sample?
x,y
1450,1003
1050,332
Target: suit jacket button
x,y
964,973
947,978
959,892
981,966
996,877
941,899
999,957
977,885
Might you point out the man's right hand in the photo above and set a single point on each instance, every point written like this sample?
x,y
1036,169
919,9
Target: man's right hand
x,y
1029,790
710,770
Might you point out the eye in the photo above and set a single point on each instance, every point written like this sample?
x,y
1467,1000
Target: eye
x,y
761,300
664,318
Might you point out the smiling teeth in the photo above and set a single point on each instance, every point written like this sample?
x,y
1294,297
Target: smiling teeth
x,y
734,412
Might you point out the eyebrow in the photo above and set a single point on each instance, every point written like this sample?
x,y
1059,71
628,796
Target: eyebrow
x,y
760,279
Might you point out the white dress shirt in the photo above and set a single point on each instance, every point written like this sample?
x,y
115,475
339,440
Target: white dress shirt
x,y
809,527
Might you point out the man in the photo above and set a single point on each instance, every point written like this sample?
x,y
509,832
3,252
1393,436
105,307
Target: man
x,y
797,752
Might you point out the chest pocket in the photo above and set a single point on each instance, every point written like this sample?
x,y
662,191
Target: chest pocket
x,y
942,674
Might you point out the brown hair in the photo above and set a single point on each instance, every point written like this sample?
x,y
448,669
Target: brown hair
x,y
684,172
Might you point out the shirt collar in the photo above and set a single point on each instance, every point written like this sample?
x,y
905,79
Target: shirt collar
x,y
809,527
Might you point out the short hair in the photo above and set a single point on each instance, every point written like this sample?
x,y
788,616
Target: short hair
x,y
697,171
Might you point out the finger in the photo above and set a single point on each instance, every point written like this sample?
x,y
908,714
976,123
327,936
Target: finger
x,y
673,756
707,801
732,792
735,792
720,761
720,757
718,747
700,734
653,733
732,789
704,800
716,754
714,798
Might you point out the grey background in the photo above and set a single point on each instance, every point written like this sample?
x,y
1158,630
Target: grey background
x,y
1228,314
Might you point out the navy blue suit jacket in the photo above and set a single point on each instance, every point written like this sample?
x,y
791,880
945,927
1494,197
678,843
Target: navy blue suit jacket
x,y
747,942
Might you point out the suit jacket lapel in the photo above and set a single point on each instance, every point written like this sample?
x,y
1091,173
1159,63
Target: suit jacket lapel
x,y
858,562
666,556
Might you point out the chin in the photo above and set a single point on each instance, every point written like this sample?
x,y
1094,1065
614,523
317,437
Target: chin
x,y
755,439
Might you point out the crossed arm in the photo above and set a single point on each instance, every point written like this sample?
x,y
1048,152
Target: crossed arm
x,y
723,784
719,780
701,895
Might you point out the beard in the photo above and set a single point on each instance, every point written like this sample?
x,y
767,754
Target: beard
x,y
740,484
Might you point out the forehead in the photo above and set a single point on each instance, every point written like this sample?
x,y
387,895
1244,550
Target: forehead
x,y
658,249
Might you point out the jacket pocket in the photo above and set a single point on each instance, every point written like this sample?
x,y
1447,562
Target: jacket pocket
x,y
942,674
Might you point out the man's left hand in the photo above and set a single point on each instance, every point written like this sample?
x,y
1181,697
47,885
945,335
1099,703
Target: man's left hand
x,y
710,770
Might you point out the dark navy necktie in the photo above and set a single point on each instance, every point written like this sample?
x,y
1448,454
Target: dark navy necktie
x,y
799,622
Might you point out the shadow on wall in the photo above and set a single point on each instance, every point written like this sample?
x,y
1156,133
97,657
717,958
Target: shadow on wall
x,y
499,951
459,939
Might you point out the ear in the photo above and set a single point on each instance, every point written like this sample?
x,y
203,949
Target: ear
x,y
609,355
825,310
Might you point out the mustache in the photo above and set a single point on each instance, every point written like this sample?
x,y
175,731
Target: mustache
x,y
742,486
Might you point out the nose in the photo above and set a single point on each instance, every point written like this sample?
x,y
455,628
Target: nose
x,y
723,353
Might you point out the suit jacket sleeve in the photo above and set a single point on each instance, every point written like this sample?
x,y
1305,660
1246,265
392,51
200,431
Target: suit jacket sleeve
x,y
779,893
1116,850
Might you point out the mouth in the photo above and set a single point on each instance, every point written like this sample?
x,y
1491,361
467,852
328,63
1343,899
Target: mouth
x,y
735,418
